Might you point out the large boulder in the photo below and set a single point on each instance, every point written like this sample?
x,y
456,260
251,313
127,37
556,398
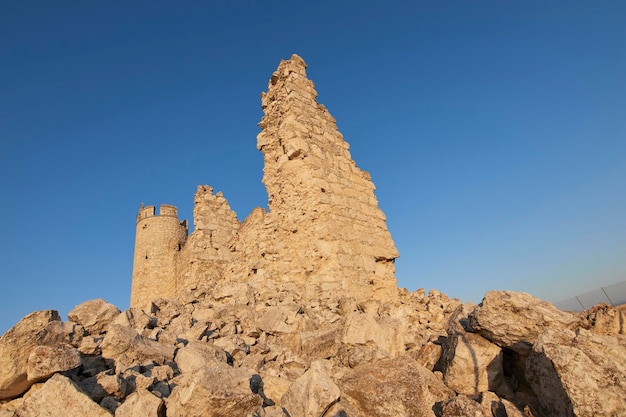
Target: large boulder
x,y
141,404
514,320
15,348
94,315
462,407
603,319
579,373
198,355
125,348
312,394
393,388
472,364
214,392
60,397
44,361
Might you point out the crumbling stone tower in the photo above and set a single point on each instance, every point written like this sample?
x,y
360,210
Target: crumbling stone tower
x,y
158,239
324,230
323,234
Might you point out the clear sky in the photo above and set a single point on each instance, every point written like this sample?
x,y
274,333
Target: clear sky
x,y
495,132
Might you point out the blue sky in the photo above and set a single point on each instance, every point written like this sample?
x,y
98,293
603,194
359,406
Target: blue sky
x,y
495,132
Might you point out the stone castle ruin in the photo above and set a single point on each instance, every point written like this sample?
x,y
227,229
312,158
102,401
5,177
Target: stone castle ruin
x,y
294,312
323,233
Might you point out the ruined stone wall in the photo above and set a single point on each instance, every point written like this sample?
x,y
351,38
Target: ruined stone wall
x,y
158,239
206,250
323,234
324,228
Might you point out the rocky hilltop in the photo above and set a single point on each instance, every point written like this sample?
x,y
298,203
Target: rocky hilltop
x,y
295,312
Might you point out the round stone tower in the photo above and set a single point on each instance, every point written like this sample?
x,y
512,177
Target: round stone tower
x,y
158,238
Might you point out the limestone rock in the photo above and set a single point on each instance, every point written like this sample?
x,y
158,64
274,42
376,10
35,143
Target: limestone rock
x,y
44,361
311,394
515,320
135,318
125,347
319,344
60,397
274,387
428,355
141,404
275,320
603,319
15,348
393,388
579,373
214,392
499,407
64,331
472,364
462,406
94,315
197,356
113,384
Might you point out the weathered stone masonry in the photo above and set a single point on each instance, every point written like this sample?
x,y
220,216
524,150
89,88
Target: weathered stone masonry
x,y
158,239
323,232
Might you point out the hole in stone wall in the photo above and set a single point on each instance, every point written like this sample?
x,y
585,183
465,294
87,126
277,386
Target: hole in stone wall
x,y
323,190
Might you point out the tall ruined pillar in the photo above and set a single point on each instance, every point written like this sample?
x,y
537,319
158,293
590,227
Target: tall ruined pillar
x,y
206,250
158,240
324,228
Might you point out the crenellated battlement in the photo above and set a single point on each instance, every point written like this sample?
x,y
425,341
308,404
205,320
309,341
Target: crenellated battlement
x,y
150,211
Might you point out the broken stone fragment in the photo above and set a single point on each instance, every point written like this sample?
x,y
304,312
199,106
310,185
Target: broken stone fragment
x,y
125,348
198,355
94,315
462,406
603,319
214,392
514,320
15,348
44,361
60,397
579,373
393,388
141,404
472,364
312,394
135,318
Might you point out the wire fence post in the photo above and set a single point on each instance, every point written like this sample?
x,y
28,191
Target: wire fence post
x,y
581,304
607,296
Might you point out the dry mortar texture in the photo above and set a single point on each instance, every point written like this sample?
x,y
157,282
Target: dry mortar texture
x,y
323,233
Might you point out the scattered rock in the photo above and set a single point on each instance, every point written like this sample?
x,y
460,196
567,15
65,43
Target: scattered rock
x,y
294,313
312,394
125,347
603,319
94,315
579,373
60,397
462,406
472,364
141,404
214,392
393,388
515,320
197,356
15,348
44,361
